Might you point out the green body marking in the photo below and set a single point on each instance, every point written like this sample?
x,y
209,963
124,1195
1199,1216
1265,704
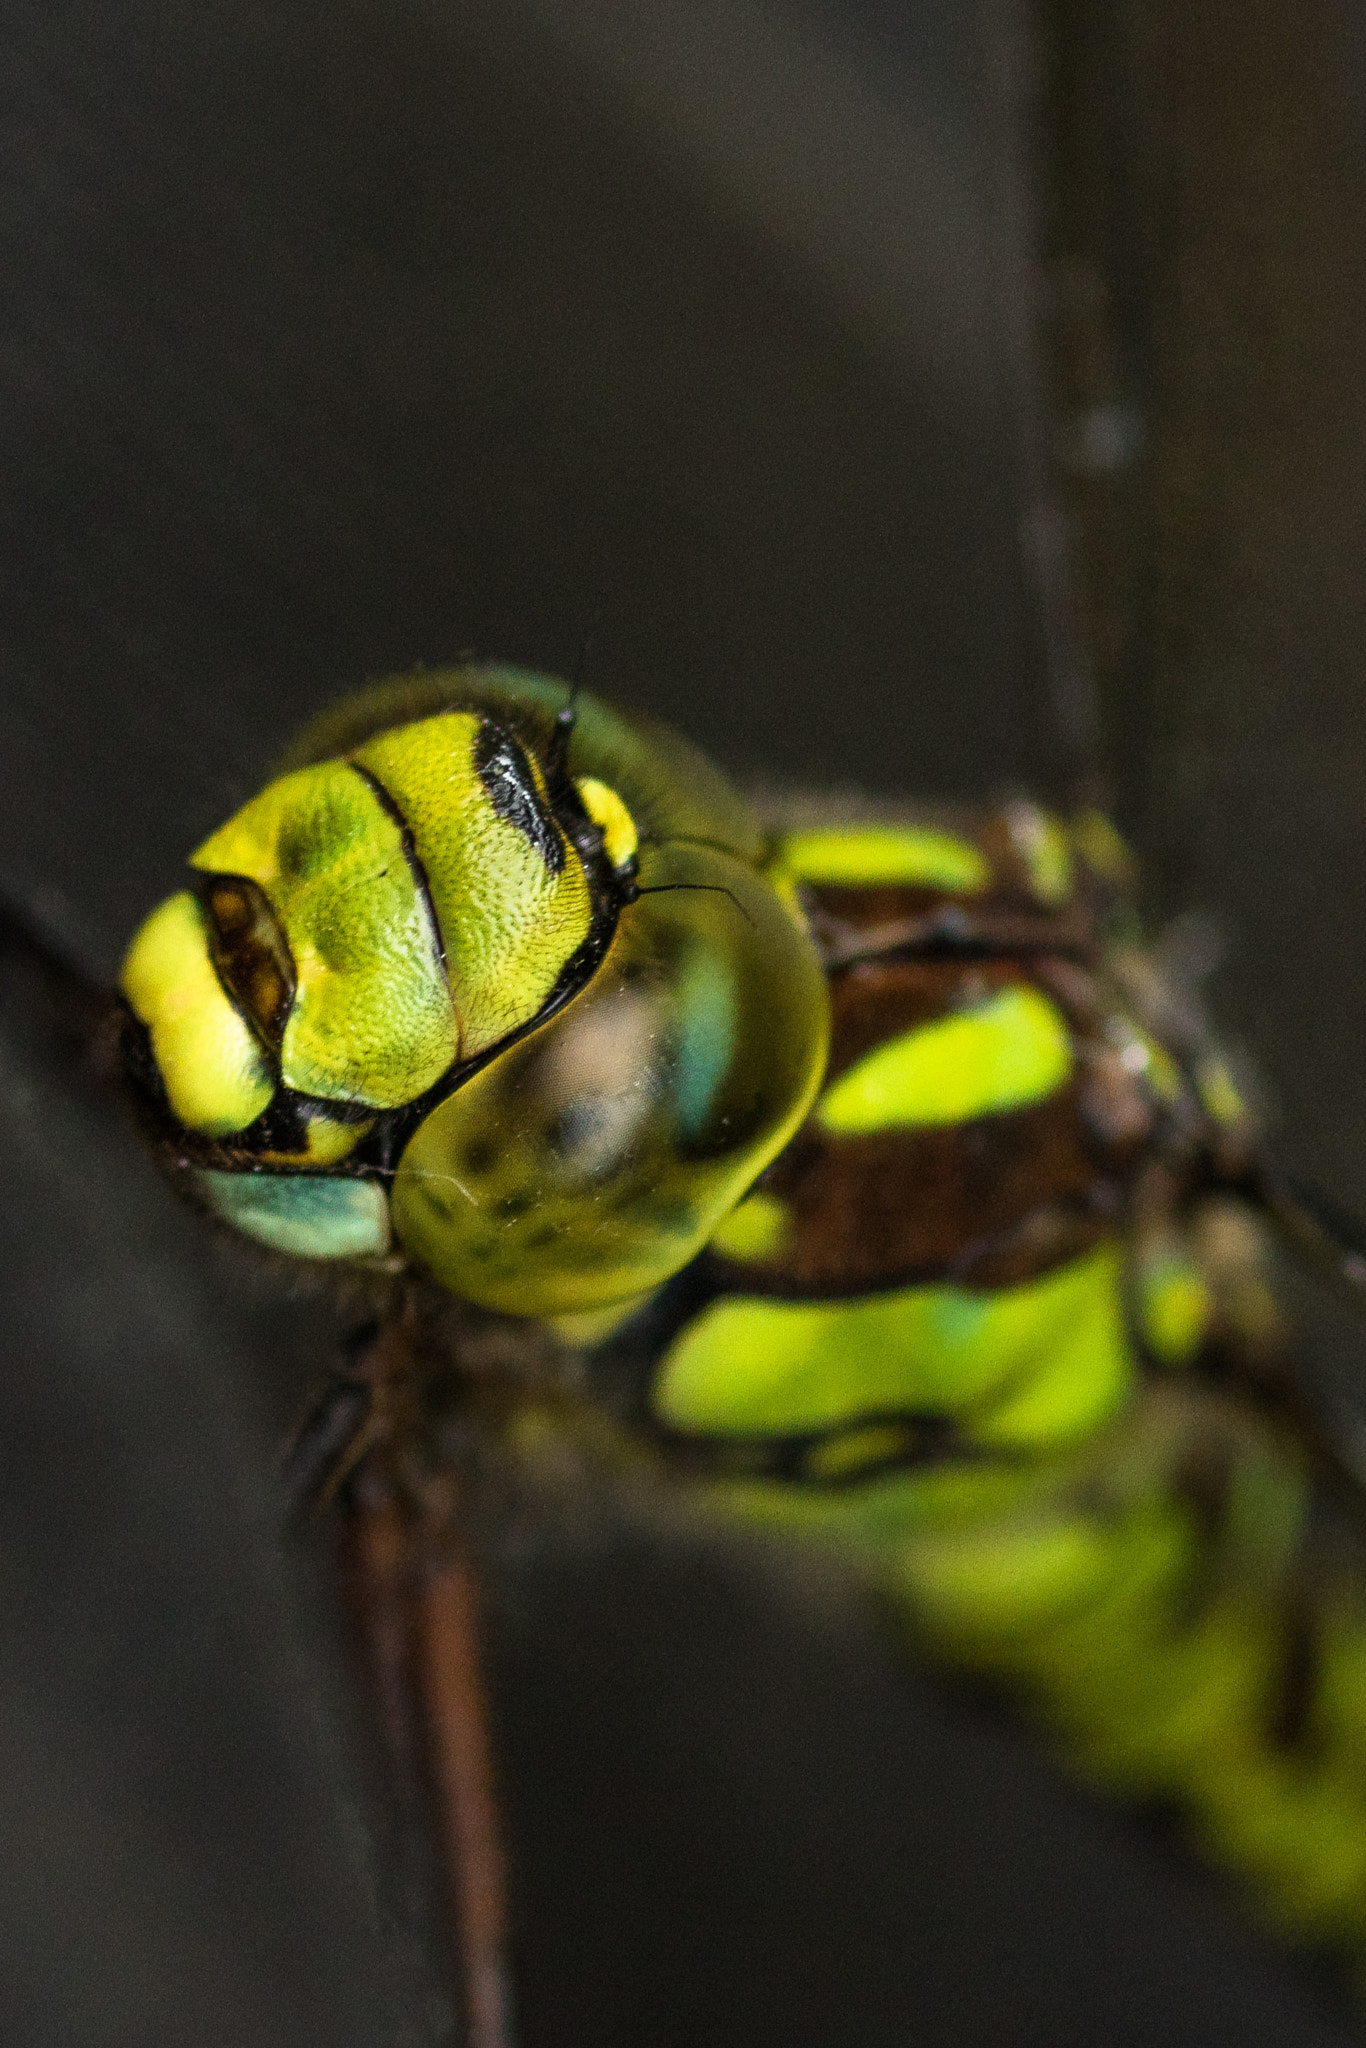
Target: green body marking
x,y
875,855
756,1230
1035,1365
1012,1049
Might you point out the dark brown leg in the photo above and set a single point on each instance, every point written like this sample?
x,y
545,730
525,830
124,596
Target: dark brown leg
x,y
449,1672
411,1591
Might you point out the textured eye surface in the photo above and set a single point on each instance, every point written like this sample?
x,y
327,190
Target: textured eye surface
x,y
595,1157
370,1018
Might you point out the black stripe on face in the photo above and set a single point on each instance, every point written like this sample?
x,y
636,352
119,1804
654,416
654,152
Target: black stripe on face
x,y
410,853
507,775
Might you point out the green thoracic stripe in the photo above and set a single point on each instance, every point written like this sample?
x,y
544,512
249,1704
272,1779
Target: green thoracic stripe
x,y
886,855
1018,1368
1011,1050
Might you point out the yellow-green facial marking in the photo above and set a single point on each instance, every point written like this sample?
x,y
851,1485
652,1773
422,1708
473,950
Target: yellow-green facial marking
x,y
371,1019
510,894
1011,1050
326,1142
424,903
217,1079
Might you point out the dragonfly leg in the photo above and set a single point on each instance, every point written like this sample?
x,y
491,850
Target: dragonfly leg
x,y
411,1588
363,1402
450,1679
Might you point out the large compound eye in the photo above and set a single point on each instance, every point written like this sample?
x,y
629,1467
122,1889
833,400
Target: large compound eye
x,y
595,1155
250,953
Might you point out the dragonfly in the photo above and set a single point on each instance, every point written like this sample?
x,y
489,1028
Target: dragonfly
x,y
150,1425
1057,1385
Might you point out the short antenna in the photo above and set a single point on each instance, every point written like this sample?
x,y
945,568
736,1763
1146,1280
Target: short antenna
x,y
568,717
710,888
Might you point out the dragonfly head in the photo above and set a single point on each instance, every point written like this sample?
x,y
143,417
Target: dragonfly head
x,y
481,987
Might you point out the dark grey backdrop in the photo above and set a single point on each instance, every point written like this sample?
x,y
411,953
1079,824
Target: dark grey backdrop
x,y
341,337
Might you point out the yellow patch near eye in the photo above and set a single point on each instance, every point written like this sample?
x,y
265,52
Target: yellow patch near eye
x,y
329,1141
620,840
1174,1304
1218,1093
371,1020
1042,846
1012,1050
886,854
758,1229
325,1142
216,1077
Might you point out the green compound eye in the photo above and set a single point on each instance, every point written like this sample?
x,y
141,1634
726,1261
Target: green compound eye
x,y
595,1158
532,1023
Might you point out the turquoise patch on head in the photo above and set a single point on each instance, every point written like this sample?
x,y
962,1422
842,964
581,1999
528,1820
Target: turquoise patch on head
x,y
305,1216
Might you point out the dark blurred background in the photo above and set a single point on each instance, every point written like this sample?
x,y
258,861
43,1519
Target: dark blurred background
x,y
773,343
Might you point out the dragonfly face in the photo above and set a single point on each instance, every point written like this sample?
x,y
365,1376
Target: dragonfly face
x,y
460,991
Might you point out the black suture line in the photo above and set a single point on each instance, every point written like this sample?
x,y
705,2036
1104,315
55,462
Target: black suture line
x,y
503,768
398,1125
933,1441
416,869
